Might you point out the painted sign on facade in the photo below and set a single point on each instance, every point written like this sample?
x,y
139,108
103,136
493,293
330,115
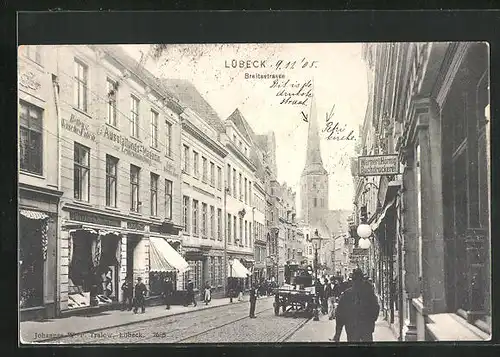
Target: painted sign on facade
x,y
378,165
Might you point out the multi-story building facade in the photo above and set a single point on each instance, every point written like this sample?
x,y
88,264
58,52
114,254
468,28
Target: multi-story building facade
x,y
39,183
429,104
203,162
240,177
120,175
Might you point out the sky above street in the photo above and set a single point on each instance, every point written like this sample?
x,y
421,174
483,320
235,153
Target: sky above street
x,y
338,79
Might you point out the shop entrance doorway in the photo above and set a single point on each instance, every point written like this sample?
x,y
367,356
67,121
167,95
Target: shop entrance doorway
x,y
132,242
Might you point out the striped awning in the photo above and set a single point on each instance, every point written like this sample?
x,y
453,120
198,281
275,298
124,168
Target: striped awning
x,y
375,225
238,270
157,261
166,256
33,214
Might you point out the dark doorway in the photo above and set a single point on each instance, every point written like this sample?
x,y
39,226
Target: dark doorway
x,y
132,241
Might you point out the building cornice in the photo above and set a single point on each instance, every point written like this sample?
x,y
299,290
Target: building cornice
x,y
41,190
234,149
198,134
454,57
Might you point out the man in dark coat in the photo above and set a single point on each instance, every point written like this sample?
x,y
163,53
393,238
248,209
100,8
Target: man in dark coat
x,y
168,292
253,301
140,296
190,293
128,294
358,311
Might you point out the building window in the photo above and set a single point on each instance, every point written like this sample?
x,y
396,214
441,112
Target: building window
x,y
229,178
235,191
250,234
195,217
250,194
168,138
134,188
111,177
241,187
81,85
196,164
205,169
219,178
212,174
212,271
221,272
419,208
246,188
236,238
168,199
246,234
186,159
315,202
228,233
241,232
212,222
111,88
134,117
154,129
30,139
154,194
204,220
185,215
219,224
195,273
33,53
81,172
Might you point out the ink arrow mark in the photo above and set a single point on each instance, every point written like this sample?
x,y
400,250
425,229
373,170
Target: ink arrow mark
x,y
304,117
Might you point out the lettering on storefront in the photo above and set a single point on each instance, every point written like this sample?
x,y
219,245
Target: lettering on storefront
x,y
135,149
78,126
29,80
136,225
94,218
378,165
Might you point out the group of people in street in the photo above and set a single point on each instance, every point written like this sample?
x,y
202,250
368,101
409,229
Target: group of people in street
x,y
134,297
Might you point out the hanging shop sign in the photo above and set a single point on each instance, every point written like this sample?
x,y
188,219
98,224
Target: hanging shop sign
x,y
129,146
138,226
359,252
78,126
378,165
94,218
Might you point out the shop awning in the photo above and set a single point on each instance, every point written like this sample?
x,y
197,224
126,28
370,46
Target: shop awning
x,y
375,224
33,214
166,257
238,270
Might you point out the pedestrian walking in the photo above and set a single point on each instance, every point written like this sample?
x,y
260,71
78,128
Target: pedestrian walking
x,y
190,294
326,296
168,291
208,293
253,301
127,294
140,296
358,311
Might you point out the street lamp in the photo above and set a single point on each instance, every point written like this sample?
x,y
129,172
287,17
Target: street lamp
x,y
316,239
231,275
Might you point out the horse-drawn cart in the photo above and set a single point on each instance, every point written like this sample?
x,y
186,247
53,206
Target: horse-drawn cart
x,y
297,295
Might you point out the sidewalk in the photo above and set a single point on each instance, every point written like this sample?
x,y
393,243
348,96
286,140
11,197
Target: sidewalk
x,y
324,329
48,329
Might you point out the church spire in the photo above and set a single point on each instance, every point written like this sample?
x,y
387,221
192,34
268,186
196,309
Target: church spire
x,y
314,163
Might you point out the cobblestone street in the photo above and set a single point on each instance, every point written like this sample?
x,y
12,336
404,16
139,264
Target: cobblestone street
x,y
221,324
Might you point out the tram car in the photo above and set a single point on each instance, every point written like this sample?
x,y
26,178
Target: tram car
x,y
297,294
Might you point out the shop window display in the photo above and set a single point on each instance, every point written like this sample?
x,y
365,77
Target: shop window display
x,y
31,263
94,261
